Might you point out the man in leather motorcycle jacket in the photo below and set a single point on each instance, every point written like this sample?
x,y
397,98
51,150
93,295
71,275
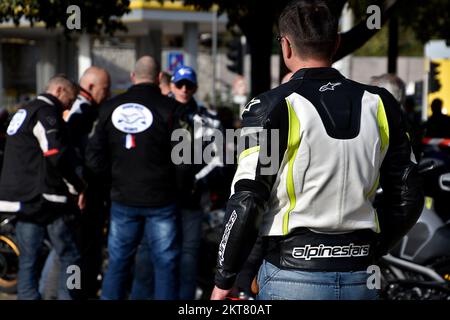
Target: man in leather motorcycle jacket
x,y
338,140
39,174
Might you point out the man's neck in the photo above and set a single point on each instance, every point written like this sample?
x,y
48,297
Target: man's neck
x,y
301,64
143,81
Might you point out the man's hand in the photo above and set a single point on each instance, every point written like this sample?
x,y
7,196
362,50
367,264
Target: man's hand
x,y
81,201
219,294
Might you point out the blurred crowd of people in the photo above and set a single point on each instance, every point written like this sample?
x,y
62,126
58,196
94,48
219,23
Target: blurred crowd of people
x,y
77,162
80,167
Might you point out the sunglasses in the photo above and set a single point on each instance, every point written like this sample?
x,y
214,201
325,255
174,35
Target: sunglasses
x,y
189,85
279,37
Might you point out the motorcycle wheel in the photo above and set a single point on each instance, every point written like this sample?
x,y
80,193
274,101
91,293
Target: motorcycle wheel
x,y
9,264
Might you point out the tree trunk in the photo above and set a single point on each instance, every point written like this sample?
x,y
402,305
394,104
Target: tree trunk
x,y
393,45
259,41
260,52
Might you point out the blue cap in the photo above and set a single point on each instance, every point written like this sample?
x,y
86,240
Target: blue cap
x,y
184,73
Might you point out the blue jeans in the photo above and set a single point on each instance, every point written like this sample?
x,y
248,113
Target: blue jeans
x,y
126,230
30,238
278,284
191,229
48,285
143,278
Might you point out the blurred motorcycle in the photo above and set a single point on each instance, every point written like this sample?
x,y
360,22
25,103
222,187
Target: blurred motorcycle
x,y
418,267
9,255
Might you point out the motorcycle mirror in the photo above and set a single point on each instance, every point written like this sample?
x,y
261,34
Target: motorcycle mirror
x,y
444,182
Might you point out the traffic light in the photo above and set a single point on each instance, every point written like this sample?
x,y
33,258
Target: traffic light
x,y
236,55
434,85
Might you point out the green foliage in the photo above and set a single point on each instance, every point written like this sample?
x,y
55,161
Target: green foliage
x,y
408,44
96,16
419,20
426,19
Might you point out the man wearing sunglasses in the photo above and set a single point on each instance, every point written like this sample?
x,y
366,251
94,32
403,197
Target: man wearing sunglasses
x,y
184,86
193,180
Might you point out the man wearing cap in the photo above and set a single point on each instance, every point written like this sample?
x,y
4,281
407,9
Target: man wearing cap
x,y
192,179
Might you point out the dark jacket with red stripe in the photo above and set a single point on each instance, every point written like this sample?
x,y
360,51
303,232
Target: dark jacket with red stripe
x,y
37,157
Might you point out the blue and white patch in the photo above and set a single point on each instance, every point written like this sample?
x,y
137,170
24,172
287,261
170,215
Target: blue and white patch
x,y
16,122
132,118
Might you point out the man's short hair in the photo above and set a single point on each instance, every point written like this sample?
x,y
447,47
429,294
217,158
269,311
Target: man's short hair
x,y
311,27
63,80
147,68
165,78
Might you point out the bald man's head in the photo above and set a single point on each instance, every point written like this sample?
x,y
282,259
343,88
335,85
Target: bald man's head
x,y
64,89
146,70
96,82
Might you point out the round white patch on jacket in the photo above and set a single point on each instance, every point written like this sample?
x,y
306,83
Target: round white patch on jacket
x,y
16,122
132,118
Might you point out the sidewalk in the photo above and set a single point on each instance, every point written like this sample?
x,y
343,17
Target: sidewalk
x,y
5,296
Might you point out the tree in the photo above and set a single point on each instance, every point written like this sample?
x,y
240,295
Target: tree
x,y
255,18
257,22
96,16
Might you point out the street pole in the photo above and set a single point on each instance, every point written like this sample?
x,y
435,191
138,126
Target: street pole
x,y
344,65
2,103
84,53
214,58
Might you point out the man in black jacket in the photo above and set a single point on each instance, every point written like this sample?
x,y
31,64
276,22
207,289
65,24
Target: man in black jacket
x,y
38,166
94,90
194,179
132,144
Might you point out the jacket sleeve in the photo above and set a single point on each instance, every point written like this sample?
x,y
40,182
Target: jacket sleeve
x,y
97,150
251,186
403,198
51,134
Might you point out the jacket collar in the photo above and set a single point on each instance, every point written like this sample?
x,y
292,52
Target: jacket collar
x,y
317,73
86,95
146,86
50,100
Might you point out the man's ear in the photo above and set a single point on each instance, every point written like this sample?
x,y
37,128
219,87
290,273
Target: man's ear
x,y
58,91
160,76
132,77
287,49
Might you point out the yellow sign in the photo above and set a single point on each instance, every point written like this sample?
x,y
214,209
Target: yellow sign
x,y
439,84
